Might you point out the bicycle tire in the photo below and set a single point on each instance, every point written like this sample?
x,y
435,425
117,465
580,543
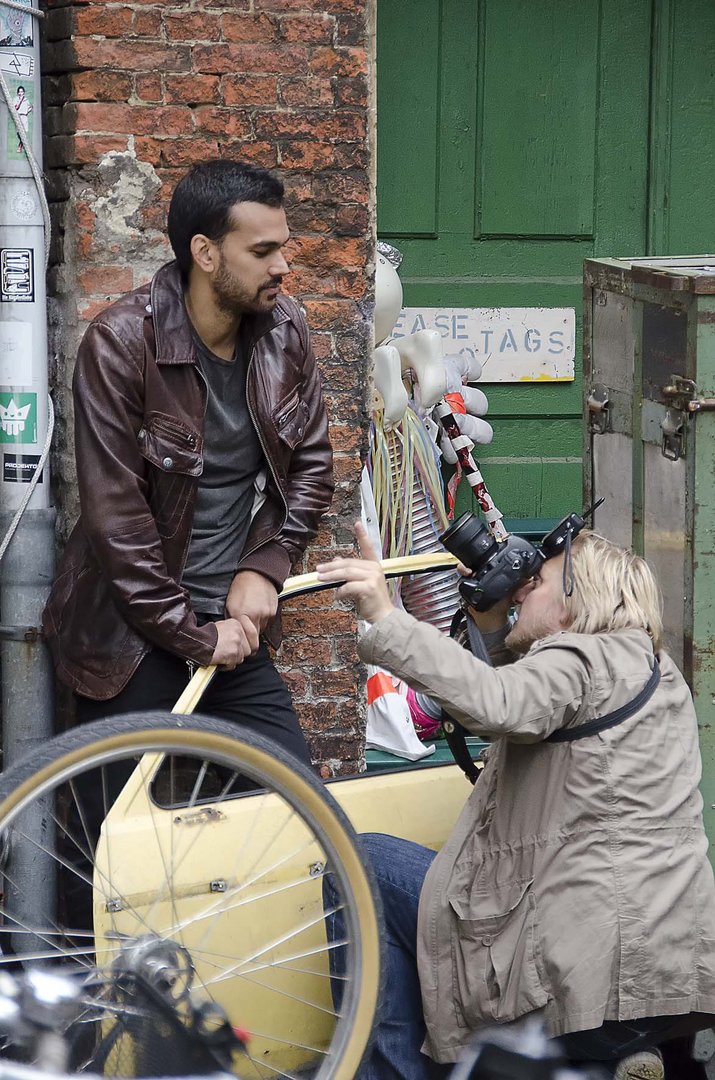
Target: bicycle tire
x,y
67,760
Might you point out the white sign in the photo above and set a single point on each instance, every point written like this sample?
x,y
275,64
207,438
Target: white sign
x,y
17,64
15,354
511,344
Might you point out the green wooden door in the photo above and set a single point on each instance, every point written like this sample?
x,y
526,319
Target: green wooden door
x,y
517,138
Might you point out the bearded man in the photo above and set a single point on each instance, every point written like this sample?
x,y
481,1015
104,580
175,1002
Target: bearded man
x,y
204,468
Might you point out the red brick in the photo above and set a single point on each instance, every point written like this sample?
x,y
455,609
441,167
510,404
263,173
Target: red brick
x,y
310,281
84,214
148,24
58,121
345,377
305,6
321,600
249,90
141,56
332,253
114,22
148,88
322,345
113,280
193,89
100,86
352,91
298,188
298,650
134,119
89,149
60,58
152,218
334,683
148,149
193,26
353,345
318,717
293,124
306,155
347,62
260,153
181,153
305,217
56,89
242,29
322,623
345,652
315,29
345,437
313,92
89,309
344,407
230,122
58,24
297,684
352,155
254,59
350,30
343,188
352,221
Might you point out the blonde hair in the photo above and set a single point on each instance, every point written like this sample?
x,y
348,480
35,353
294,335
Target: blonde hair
x,y
613,589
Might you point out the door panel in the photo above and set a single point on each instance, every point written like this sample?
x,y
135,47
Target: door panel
x,y
413,84
536,87
542,161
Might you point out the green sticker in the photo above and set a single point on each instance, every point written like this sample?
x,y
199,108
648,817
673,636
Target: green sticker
x,y
18,418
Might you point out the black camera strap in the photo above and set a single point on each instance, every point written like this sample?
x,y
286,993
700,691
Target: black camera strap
x,y
454,733
611,719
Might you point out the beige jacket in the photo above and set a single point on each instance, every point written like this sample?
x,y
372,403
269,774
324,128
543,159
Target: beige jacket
x,y
576,881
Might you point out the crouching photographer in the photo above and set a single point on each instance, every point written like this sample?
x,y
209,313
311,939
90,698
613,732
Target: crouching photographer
x,y
575,886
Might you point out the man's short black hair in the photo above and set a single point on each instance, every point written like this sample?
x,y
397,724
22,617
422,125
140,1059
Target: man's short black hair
x,y
203,199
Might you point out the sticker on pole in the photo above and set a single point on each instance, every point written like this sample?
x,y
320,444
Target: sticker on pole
x,y
17,276
20,468
16,353
16,26
511,344
17,63
23,103
18,418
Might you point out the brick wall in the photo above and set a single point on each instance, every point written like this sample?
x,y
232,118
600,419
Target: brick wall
x,y
134,93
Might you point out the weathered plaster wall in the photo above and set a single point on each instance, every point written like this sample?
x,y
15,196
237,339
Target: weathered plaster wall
x,y
135,93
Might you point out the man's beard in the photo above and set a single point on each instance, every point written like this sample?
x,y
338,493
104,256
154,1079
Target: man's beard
x,y
233,297
520,641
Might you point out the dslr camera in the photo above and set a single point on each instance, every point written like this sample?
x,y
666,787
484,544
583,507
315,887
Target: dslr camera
x,y
501,566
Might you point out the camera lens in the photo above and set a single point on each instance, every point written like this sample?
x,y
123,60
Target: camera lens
x,y
469,540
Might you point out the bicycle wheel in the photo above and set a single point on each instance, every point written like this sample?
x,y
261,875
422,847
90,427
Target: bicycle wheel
x,y
177,852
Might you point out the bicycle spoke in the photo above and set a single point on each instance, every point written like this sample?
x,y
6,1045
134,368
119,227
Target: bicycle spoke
x,y
176,870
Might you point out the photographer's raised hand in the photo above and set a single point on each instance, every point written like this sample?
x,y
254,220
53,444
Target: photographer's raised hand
x,y
364,580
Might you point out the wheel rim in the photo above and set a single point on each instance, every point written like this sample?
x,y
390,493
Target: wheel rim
x,y
187,904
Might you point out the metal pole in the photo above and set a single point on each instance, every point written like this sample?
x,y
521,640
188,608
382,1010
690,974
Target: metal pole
x,y
26,569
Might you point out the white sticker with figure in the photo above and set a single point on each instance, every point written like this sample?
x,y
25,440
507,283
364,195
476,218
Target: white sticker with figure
x,y
511,344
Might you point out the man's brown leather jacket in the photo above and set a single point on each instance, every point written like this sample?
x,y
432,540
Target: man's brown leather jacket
x,y
139,413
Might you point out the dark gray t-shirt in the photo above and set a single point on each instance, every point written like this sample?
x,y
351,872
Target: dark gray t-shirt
x,y
232,459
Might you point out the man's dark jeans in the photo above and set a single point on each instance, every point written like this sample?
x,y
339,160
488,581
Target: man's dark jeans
x,y
253,695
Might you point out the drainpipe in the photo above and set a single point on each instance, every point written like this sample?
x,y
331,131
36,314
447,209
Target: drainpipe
x,y
26,517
